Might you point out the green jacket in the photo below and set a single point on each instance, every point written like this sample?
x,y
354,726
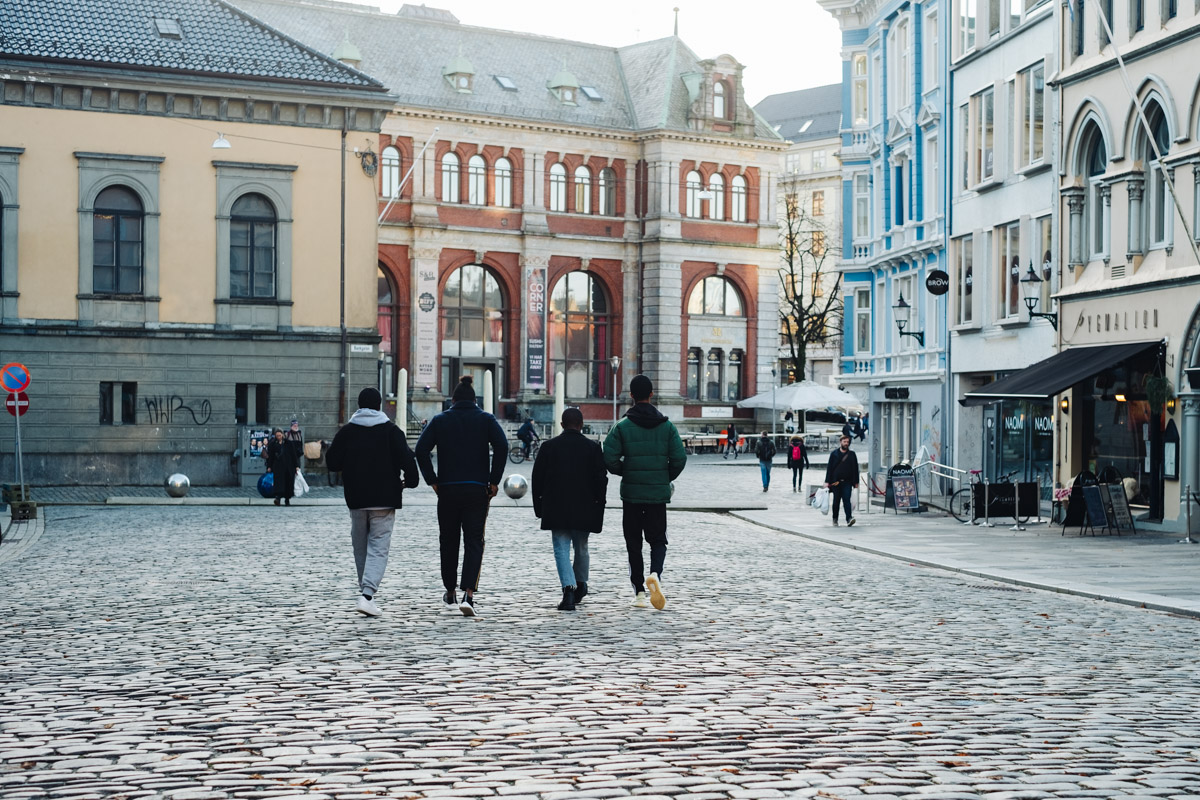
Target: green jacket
x,y
645,450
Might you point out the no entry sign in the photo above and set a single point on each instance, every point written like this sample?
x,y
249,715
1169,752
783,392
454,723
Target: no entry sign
x,y
14,377
17,404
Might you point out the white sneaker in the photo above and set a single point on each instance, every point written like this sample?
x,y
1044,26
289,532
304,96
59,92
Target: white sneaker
x,y
368,607
640,601
467,606
657,598
449,601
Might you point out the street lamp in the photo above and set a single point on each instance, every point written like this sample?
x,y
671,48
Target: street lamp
x,y
900,313
615,361
774,413
1031,289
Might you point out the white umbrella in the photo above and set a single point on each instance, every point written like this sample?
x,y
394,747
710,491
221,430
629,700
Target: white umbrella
x,y
803,395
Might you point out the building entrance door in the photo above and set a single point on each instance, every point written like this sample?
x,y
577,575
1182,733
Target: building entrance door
x,y
476,367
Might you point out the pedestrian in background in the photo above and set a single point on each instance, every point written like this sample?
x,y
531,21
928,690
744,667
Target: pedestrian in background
x,y
569,485
372,454
765,452
644,448
465,484
282,461
295,438
731,438
841,476
797,460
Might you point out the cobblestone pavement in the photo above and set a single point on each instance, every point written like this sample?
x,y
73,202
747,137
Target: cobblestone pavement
x,y
192,652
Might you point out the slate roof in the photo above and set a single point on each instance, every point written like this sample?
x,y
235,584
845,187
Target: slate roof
x,y
822,105
640,85
216,39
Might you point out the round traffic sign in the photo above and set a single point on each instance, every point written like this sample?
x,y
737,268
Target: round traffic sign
x,y
17,404
14,377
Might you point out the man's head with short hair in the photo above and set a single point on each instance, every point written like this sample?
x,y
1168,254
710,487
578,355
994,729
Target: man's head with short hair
x,y
764,434
572,419
844,440
640,388
465,390
370,398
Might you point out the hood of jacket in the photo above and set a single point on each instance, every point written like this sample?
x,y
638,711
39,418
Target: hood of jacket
x,y
645,415
368,417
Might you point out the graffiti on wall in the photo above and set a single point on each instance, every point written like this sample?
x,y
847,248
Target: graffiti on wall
x,y
171,410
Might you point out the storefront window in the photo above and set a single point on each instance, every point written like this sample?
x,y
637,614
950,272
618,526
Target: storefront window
x,y
472,324
579,335
712,375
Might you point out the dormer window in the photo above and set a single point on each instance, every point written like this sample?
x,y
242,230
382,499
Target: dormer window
x,y
505,83
460,73
168,28
565,87
719,100
591,92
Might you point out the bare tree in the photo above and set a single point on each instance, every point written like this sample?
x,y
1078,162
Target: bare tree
x,y
810,307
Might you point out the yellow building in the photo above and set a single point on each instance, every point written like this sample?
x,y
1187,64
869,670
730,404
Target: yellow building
x,y
186,200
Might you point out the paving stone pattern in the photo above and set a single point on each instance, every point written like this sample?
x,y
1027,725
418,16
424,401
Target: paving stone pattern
x,y
206,652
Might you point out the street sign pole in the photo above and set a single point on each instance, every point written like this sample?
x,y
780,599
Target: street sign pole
x,y
20,460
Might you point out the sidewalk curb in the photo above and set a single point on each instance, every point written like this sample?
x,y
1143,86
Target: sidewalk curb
x,y
1150,601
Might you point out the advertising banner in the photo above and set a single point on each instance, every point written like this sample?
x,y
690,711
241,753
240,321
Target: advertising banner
x,y
425,361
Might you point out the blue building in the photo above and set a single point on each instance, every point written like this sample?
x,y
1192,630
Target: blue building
x,y
895,138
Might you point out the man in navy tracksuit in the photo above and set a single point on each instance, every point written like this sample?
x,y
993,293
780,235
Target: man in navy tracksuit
x,y
464,484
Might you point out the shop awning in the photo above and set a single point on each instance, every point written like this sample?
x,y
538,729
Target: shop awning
x,y
1057,373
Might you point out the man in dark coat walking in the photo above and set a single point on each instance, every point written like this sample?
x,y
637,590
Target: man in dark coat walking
x,y
372,454
841,476
569,487
465,484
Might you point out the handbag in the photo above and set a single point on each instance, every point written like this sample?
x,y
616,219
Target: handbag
x,y
300,487
312,451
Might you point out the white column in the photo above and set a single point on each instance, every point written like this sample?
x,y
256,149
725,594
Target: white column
x,y
402,399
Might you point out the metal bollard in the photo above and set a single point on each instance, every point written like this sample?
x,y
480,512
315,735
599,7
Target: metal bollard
x,y
1187,498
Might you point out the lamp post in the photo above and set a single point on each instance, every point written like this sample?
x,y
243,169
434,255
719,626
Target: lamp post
x,y
615,361
1031,290
774,413
900,313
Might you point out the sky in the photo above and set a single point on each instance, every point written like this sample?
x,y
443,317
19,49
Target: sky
x,y
785,45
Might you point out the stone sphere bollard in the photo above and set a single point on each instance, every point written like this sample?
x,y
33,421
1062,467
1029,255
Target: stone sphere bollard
x,y
178,485
515,486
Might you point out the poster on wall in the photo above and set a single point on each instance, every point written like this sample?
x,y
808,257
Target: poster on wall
x,y
425,363
535,328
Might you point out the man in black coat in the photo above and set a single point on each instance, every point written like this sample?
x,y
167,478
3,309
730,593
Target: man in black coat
x,y
371,453
569,487
841,476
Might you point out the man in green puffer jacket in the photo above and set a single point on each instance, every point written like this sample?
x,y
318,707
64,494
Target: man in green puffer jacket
x,y
646,451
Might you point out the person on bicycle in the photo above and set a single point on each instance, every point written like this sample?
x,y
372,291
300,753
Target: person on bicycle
x,y
527,433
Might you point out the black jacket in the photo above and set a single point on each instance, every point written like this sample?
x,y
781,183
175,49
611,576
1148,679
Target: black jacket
x,y
461,435
842,467
765,449
371,460
803,460
570,483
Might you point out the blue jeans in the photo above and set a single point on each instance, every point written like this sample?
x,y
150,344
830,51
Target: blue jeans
x,y
765,468
568,575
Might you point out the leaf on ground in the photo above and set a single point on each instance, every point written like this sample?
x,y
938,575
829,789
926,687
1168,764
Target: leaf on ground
x,y
916,724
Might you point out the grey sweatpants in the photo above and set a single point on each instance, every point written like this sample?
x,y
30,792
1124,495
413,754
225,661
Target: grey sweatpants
x,y
371,535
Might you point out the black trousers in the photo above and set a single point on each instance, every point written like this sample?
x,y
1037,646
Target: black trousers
x,y
797,477
648,520
841,492
462,511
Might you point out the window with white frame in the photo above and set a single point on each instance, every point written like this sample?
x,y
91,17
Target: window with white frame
x,y
719,103
983,131
1032,87
450,168
716,206
904,62
858,91
1095,162
558,188
389,172
964,147
1137,16
876,83
966,26
692,187
583,190
737,199
476,181
502,177
1157,204
862,320
862,206
818,160
1043,260
1106,10
963,255
1008,275
929,78
933,179
818,203
993,7
608,192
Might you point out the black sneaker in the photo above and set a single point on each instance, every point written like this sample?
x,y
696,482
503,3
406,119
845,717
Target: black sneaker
x,y
835,523
450,601
568,600
580,592
850,522
467,606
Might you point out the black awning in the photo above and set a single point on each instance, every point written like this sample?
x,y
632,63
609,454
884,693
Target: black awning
x,y
1057,373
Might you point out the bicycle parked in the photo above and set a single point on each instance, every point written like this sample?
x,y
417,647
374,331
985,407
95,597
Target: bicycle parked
x,y
962,501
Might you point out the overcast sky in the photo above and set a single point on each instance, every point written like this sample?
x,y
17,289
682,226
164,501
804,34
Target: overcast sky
x,y
784,44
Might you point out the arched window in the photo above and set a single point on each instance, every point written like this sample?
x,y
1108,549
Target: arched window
x,y
450,168
472,323
252,247
117,242
1158,199
502,172
693,187
579,335
583,190
716,206
477,181
558,188
693,373
715,296
737,198
388,323
1095,161
389,172
608,192
719,104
